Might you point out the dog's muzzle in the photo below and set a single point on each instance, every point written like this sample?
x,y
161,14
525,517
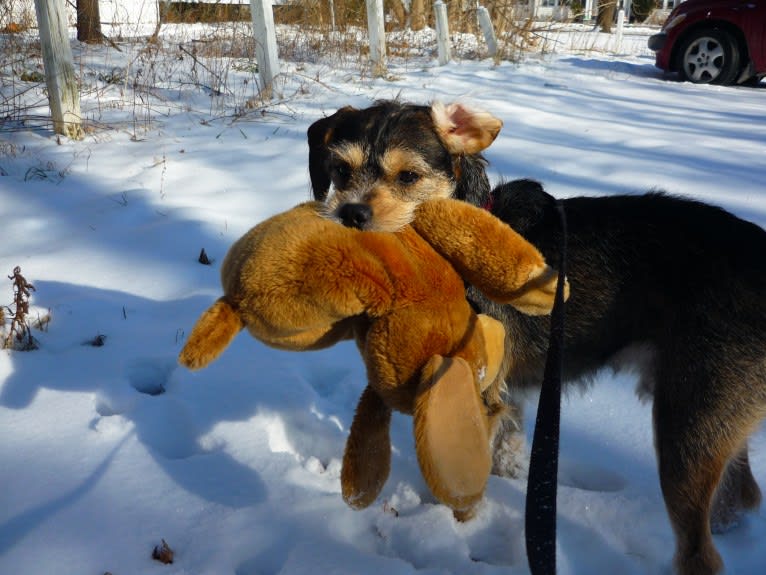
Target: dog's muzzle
x,y
355,215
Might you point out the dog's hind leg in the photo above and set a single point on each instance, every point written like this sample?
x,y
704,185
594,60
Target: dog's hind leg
x,y
690,470
737,492
697,434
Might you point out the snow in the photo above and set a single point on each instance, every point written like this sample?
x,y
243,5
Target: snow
x,y
109,450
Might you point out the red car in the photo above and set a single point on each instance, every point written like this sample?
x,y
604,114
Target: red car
x,y
714,41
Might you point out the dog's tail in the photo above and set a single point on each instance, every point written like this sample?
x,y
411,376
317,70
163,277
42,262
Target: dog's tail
x,y
212,333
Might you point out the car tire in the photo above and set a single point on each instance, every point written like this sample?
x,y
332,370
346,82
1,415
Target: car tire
x,y
709,57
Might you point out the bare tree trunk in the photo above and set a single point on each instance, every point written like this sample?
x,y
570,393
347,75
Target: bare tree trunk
x,y
462,16
606,15
341,18
417,15
89,22
400,14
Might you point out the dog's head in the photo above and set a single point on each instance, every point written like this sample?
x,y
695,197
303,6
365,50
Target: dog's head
x,y
372,167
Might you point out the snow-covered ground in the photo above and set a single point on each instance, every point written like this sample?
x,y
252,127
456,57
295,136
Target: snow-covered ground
x,y
109,450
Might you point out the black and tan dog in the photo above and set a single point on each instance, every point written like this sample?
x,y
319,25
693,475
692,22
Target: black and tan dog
x,y
373,167
670,286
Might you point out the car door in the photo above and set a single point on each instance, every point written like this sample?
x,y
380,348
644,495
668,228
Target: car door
x,y
754,27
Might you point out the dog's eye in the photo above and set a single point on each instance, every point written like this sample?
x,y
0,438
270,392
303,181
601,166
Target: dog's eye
x,y
408,178
340,173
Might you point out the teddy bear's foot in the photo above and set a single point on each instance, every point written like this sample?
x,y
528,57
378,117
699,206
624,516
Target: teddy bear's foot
x,y
451,434
367,459
463,515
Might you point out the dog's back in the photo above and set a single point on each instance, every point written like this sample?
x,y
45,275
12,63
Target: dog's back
x,y
644,270
677,287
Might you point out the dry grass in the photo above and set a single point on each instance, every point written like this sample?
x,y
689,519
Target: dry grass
x,y
19,336
141,70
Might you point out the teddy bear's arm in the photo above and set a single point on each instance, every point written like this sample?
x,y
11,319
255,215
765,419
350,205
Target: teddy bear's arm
x,y
489,254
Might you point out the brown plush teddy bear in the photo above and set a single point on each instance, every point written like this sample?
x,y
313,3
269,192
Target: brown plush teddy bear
x,y
300,281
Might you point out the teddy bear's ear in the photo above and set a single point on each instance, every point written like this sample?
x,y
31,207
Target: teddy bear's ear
x,y
367,459
452,434
464,130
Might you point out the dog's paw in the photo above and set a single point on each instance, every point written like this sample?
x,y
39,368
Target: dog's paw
x,y
510,457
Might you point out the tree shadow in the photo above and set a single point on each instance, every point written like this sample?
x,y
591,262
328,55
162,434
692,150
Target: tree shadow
x,y
16,528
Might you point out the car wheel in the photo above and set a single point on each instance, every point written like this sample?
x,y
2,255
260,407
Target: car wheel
x,y
709,57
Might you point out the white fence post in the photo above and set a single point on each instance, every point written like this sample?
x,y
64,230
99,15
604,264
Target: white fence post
x,y
63,96
265,44
332,15
488,30
628,7
618,32
587,15
377,32
442,32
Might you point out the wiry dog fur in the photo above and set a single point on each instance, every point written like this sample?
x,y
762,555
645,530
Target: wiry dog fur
x,y
672,285
373,167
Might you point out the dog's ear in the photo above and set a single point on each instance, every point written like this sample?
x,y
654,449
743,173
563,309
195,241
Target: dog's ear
x,y
319,135
464,130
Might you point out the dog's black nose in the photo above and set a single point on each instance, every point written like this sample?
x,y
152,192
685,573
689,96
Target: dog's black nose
x,y
355,215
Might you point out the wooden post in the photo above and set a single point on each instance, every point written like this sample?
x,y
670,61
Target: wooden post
x,y
487,29
265,44
63,95
377,33
89,22
442,32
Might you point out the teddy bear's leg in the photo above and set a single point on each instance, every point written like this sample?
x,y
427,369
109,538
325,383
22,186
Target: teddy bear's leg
x,y
451,434
367,459
494,346
491,385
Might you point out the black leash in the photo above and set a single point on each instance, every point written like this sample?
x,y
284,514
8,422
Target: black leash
x,y
540,514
